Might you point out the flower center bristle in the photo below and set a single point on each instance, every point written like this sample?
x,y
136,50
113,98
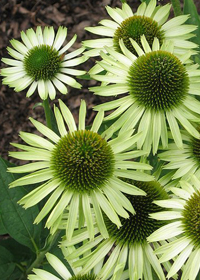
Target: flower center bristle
x,y
134,27
42,62
158,81
196,148
83,161
191,218
138,227
83,277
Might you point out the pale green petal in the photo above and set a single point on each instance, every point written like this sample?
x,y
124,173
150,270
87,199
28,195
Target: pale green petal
x,y
170,203
32,37
60,37
68,117
26,40
126,52
97,121
174,22
72,218
101,30
107,208
150,8
36,177
68,80
42,274
174,129
59,267
166,215
79,237
154,261
162,13
98,254
137,48
39,35
132,165
179,262
144,127
49,35
45,131
99,217
166,232
60,122
125,187
116,203
61,205
59,85
49,204
85,248
110,263
135,175
113,14
186,124
175,249
32,89
156,130
82,115
88,215
36,141
51,89
68,45
141,9
30,167
126,144
15,54
195,266
74,62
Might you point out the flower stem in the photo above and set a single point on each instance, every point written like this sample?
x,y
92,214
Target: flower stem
x,y
47,111
176,7
50,241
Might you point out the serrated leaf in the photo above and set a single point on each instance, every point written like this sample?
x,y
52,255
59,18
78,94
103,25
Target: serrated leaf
x,y
17,221
7,265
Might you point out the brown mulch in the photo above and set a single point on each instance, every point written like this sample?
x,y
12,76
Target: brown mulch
x,y
15,16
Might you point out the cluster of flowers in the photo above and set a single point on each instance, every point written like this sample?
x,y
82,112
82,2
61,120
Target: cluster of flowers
x,y
124,219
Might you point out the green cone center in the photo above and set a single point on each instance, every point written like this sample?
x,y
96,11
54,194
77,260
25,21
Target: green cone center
x,y
134,27
196,149
158,81
83,277
191,218
83,161
42,62
138,227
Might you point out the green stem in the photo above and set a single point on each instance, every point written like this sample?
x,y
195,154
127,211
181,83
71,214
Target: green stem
x,y
51,239
176,7
47,111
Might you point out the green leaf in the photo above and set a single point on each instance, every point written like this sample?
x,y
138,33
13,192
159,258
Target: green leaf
x,y
7,265
147,1
2,227
190,8
20,253
17,221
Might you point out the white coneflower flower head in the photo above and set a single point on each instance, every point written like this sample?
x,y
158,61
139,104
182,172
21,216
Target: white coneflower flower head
x,y
40,62
160,90
126,250
80,168
185,162
60,269
184,229
149,20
